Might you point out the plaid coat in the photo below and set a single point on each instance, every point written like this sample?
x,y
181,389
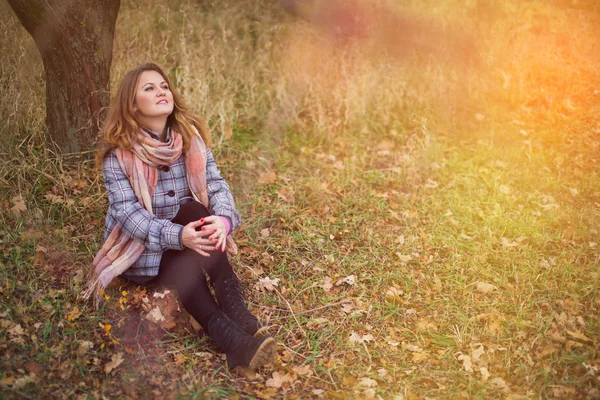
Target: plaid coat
x,y
156,231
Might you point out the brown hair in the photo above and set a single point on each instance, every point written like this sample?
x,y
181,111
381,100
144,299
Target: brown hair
x,y
121,127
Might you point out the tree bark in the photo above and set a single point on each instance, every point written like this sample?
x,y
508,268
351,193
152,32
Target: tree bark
x,y
75,40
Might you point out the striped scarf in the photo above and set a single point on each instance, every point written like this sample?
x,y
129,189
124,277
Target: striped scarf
x,y
140,164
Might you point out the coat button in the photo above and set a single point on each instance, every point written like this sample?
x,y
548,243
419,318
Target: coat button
x,y
171,193
166,168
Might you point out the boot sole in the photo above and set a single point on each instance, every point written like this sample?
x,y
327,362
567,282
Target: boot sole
x,y
265,354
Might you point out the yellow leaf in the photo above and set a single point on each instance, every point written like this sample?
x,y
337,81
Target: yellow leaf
x,y
576,335
7,380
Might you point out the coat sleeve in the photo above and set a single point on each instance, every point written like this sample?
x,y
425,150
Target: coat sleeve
x,y
156,234
220,198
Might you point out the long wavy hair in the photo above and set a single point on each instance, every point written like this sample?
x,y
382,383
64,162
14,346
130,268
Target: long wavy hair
x,y
120,128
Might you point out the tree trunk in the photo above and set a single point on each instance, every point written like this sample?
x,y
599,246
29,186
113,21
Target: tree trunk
x,y
75,40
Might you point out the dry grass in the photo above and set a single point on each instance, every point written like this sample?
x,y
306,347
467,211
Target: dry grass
x,y
460,192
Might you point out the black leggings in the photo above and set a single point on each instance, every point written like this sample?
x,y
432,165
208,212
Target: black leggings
x,y
184,269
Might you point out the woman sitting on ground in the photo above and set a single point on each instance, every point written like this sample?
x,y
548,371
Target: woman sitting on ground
x,y
171,214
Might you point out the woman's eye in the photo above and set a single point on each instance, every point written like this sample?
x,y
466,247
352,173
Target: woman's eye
x,y
165,88
148,88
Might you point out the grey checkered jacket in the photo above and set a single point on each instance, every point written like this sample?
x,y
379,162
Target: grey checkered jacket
x,y
156,231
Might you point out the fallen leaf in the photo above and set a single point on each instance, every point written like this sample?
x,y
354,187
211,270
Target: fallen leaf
x,y
285,193
485,374
404,258
499,383
368,382
265,233
393,295
418,358
54,198
357,338
426,325
303,370
180,359
467,363
580,337
411,347
115,361
278,379
7,380
15,333
508,243
74,314
32,234
545,350
477,352
155,315
34,368
347,307
326,284
484,287
84,347
267,283
350,280
267,177
23,381
19,206
161,295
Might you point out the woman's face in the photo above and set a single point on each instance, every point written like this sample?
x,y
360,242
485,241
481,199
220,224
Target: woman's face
x,y
153,98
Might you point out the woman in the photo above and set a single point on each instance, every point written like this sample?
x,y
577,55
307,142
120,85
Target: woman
x,y
170,213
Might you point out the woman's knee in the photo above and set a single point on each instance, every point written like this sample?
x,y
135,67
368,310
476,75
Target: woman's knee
x,y
190,211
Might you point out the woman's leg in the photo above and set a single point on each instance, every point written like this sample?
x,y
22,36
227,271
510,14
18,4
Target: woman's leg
x,y
226,284
184,270
181,270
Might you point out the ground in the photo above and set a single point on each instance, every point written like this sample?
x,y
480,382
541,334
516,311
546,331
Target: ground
x,y
415,225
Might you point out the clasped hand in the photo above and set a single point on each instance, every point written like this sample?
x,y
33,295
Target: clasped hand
x,y
206,234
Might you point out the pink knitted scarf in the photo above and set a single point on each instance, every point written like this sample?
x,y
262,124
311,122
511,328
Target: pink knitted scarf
x,y
140,164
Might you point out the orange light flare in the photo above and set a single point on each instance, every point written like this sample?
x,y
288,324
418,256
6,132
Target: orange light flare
x,y
541,61
549,68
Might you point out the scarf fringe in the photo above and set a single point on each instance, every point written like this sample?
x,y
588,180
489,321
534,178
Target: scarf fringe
x,y
93,289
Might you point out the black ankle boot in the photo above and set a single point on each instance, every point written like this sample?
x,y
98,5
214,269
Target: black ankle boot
x,y
241,348
231,300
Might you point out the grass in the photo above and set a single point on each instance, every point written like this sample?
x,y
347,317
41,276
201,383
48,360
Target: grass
x,y
432,219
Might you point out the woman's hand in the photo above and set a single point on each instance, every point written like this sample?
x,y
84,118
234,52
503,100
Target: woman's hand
x,y
211,235
216,226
